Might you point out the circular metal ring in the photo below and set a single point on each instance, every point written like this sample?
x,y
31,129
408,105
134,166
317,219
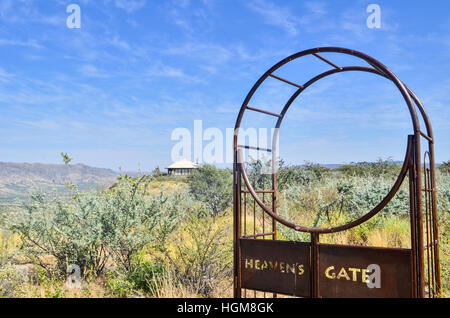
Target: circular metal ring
x,y
379,69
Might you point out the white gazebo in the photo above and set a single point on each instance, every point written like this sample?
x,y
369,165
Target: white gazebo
x,y
182,167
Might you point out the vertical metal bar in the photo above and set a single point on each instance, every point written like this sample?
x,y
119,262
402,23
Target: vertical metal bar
x,y
245,228
437,270
263,213
274,197
432,238
237,229
244,291
254,217
420,235
425,192
254,207
315,293
413,219
245,213
274,186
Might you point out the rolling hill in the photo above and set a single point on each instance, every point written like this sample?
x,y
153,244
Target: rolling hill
x,y
18,180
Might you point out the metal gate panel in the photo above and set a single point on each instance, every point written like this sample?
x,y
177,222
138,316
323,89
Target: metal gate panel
x,y
276,266
343,271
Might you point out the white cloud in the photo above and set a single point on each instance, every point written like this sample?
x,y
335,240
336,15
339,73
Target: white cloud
x,y
161,70
92,71
119,43
130,5
23,11
45,124
276,15
211,54
316,8
5,76
29,43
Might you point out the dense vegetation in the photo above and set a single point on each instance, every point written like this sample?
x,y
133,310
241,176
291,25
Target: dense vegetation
x,y
211,186
162,236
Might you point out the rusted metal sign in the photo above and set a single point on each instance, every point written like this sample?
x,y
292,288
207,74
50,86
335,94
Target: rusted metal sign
x,y
344,271
356,271
276,266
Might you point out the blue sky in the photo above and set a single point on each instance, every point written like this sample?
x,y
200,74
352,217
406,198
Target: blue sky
x,y
111,92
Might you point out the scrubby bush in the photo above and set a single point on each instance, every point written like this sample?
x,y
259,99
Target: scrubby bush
x,y
260,174
295,175
145,275
379,168
336,200
360,195
96,227
445,167
212,186
443,202
200,255
319,171
443,192
118,285
12,283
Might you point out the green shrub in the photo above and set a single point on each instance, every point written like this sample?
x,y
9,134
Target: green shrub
x,y
200,258
260,174
443,193
381,168
360,195
53,287
445,167
212,186
118,285
95,227
145,275
336,200
12,283
319,171
294,175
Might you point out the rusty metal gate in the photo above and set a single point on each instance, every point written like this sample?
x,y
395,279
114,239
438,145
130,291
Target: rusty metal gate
x,y
265,266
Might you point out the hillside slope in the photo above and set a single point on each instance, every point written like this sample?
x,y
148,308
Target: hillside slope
x,y
18,180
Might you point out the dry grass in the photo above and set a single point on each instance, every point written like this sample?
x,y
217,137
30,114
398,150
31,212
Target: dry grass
x,y
59,289
168,288
157,185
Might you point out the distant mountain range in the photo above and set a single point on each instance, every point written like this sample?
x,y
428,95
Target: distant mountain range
x,y
18,180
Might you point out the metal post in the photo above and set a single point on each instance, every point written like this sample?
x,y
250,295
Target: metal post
x,y
419,216
437,268
413,216
237,229
315,292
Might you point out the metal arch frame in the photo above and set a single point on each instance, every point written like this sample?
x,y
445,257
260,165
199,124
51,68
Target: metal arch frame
x,y
412,163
